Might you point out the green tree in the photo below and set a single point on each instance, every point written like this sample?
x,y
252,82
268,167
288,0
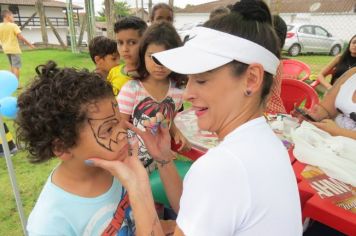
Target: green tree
x,y
121,9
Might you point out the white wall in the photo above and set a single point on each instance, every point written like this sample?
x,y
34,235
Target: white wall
x,y
33,35
184,18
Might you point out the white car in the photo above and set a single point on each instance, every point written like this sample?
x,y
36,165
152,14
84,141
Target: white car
x,y
308,38
185,30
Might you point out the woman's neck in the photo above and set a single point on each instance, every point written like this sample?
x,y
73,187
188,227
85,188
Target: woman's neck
x,y
237,121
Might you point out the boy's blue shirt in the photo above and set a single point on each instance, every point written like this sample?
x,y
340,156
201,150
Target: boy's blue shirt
x,y
58,212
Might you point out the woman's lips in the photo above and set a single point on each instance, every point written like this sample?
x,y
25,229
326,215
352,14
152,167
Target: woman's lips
x,y
199,111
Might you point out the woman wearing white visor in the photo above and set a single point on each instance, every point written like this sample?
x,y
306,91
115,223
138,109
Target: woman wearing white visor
x,y
245,185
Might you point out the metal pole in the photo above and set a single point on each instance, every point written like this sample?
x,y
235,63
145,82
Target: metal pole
x,y
142,11
11,171
73,40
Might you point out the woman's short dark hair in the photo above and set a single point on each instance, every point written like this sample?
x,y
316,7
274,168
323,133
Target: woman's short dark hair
x,y
161,33
52,110
250,20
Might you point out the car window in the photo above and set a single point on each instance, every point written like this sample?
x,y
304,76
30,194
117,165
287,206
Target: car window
x,y
306,29
320,31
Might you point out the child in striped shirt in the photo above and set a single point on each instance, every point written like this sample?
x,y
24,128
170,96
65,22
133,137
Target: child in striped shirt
x,y
155,90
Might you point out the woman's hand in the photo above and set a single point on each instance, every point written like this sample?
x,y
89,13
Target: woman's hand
x,y
156,138
179,138
329,126
317,113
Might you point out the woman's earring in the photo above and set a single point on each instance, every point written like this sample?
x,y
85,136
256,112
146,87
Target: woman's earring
x,y
248,93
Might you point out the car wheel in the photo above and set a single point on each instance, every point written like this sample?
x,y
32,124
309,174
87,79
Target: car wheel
x,y
294,50
335,50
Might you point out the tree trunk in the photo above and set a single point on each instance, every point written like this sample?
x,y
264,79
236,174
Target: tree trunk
x,y
149,7
40,11
171,3
142,11
72,33
89,9
110,17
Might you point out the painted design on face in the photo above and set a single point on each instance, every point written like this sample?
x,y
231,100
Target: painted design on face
x,y
107,131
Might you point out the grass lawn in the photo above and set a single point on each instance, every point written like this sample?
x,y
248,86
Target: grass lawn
x,y
32,177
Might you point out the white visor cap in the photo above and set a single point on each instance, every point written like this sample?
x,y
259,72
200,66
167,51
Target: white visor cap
x,y
208,49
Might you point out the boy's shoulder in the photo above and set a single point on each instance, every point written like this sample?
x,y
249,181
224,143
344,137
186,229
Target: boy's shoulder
x,y
59,212
117,73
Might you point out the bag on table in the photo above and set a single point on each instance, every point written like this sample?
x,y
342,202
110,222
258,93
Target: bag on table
x,y
335,155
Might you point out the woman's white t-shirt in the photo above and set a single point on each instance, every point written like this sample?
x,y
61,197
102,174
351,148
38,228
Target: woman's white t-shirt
x,y
245,186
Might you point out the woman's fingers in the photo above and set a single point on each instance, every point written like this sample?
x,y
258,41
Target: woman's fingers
x,y
134,128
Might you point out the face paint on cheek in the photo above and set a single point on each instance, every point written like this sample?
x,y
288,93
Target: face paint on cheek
x,y
107,131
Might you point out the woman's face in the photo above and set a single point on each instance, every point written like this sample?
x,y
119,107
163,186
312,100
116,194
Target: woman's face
x,y
217,98
353,47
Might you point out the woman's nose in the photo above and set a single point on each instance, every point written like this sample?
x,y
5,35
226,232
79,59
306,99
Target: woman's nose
x,y
188,92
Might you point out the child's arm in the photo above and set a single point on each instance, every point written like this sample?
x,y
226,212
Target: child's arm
x,y
332,128
326,70
178,137
23,39
159,147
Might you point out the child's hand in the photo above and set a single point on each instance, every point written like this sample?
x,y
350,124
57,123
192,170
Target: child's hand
x,y
180,139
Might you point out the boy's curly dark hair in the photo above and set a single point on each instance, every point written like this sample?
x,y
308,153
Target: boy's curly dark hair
x,y
52,109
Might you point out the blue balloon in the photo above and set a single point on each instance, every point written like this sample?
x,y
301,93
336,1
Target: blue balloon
x,y
8,83
8,107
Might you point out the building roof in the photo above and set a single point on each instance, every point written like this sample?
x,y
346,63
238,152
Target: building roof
x,y
313,6
206,7
46,3
284,6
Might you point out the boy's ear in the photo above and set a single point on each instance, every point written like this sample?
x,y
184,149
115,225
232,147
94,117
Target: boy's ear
x,y
59,151
97,59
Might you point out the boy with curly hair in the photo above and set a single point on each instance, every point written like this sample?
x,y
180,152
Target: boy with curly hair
x,y
73,115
